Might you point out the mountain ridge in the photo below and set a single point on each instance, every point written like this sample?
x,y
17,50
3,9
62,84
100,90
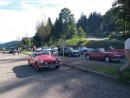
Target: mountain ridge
x,y
10,44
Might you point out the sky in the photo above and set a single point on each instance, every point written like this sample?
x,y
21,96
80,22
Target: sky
x,y
18,18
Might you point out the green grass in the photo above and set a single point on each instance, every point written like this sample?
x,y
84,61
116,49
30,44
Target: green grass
x,y
76,41
108,70
126,74
27,52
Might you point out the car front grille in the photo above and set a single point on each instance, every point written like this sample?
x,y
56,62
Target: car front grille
x,y
51,63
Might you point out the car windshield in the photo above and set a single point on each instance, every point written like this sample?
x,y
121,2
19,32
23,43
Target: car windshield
x,y
70,48
101,50
45,47
90,50
111,47
53,47
40,52
84,47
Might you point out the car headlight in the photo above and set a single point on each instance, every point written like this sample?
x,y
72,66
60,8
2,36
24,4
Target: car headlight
x,y
116,55
41,61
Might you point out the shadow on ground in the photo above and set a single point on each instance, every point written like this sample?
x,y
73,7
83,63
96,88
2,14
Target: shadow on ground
x,y
23,71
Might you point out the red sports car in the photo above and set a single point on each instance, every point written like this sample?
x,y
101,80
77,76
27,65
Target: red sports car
x,y
103,56
112,49
43,59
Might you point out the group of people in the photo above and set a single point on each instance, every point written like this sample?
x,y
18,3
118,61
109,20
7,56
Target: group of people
x,y
12,50
18,50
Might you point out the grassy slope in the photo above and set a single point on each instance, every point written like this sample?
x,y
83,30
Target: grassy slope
x,y
100,43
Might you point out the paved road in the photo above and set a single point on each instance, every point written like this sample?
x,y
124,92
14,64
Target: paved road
x,y
18,80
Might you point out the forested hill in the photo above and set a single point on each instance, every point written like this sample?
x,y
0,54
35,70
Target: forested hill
x,y
10,44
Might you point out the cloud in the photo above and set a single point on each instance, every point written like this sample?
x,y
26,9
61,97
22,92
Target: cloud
x,y
4,3
19,17
17,24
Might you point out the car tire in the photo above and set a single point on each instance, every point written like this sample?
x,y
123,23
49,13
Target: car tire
x,y
69,55
119,60
77,55
38,69
58,66
87,57
107,59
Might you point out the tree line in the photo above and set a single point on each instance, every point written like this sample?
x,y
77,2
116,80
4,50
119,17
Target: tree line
x,y
116,19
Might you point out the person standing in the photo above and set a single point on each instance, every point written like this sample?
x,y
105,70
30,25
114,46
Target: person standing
x,y
4,50
18,50
14,51
33,48
127,55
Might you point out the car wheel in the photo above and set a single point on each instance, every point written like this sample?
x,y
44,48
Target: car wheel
x,y
87,57
29,63
119,60
107,59
52,67
77,55
38,69
69,55
57,66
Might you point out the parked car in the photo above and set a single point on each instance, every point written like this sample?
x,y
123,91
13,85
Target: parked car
x,y
43,59
40,51
112,49
99,54
47,48
12,50
69,51
82,49
54,48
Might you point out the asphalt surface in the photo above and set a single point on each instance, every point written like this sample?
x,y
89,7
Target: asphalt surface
x,y
18,80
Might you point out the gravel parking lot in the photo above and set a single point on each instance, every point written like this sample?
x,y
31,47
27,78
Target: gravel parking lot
x,y
18,80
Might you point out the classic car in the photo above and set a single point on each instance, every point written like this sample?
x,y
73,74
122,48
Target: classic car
x,y
44,60
112,49
69,51
99,54
47,48
54,48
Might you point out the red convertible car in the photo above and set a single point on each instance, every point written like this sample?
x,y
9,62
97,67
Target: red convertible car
x,y
103,56
112,49
44,60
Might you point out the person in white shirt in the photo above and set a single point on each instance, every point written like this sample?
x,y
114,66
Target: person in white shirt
x,y
127,55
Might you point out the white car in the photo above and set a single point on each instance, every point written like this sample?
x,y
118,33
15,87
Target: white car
x,y
40,51
82,49
54,48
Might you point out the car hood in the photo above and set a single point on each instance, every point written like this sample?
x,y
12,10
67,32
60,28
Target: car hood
x,y
46,58
112,53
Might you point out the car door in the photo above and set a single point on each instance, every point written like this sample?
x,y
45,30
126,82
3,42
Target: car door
x,y
96,55
66,51
32,59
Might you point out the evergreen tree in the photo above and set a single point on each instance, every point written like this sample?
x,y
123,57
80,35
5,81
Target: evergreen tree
x,y
83,22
